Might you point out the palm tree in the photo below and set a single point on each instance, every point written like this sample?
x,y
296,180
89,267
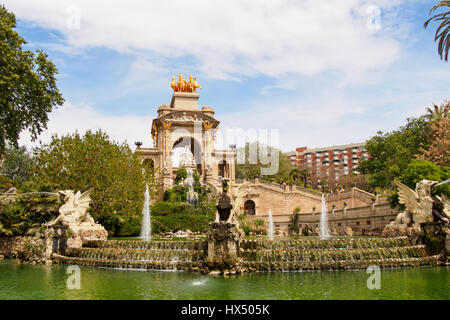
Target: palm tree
x,y
443,31
296,174
437,113
305,175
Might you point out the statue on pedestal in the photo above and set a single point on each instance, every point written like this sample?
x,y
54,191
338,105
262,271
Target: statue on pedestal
x,y
224,237
73,214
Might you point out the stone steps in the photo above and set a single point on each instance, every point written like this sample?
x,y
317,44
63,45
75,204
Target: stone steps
x,y
255,255
337,243
300,255
128,264
342,265
138,254
149,245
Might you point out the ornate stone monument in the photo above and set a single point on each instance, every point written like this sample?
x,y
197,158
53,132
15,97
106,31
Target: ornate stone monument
x,y
183,122
224,237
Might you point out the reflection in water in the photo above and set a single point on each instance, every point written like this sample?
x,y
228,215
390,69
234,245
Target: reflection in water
x,y
199,282
49,282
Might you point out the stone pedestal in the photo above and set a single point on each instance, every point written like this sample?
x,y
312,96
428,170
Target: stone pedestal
x,y
223,247
86,231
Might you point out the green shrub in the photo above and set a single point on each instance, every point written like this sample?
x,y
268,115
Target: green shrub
x,y
173,216
293,228
259,222
246,230
5,183
130,228
28,211
305,231
178,193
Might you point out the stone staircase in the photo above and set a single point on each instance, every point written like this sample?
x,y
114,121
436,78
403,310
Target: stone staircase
x,y
334,254
256,255
133,254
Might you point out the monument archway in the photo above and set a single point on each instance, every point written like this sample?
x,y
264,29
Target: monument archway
x,y
178,149
182,123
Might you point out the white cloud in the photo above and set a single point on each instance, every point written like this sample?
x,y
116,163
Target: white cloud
x,y
228,39
314,122
70,118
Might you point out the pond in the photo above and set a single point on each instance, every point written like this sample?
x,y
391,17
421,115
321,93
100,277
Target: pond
x,y
24,281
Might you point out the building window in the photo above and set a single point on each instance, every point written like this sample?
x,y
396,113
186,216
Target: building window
x,y
339,224
368,221
357,223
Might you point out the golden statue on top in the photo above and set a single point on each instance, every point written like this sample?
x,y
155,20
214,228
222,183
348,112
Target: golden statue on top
x,y
184,86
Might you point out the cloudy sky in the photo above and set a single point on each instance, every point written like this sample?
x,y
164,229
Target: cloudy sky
x,y
320,72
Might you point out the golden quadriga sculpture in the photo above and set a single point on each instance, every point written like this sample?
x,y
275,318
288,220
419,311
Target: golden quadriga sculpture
x,y
184,86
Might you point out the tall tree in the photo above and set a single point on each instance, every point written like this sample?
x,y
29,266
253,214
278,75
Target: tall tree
x,y
443,31
249,162
18,164
94,161
437,113
28,90
304,174
439,148
390,153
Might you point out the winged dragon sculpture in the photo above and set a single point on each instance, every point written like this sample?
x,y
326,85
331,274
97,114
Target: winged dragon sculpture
x,y
421,205
74,210
73,214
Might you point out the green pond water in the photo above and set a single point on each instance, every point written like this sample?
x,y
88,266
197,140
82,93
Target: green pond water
x,y
24,281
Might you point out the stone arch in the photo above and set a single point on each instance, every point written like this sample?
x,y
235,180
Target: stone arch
x,y
195,147
250,207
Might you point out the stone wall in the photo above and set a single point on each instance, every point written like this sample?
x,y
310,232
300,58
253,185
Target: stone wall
x,y
271,196
35,248
354,198
282,200
23,247
368,220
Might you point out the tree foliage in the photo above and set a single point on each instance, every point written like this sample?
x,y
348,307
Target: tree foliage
x,y
437,112
28,90
94,161
29,211
18,164
443,30
249,165
349,181
391,152
173,216
439,149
